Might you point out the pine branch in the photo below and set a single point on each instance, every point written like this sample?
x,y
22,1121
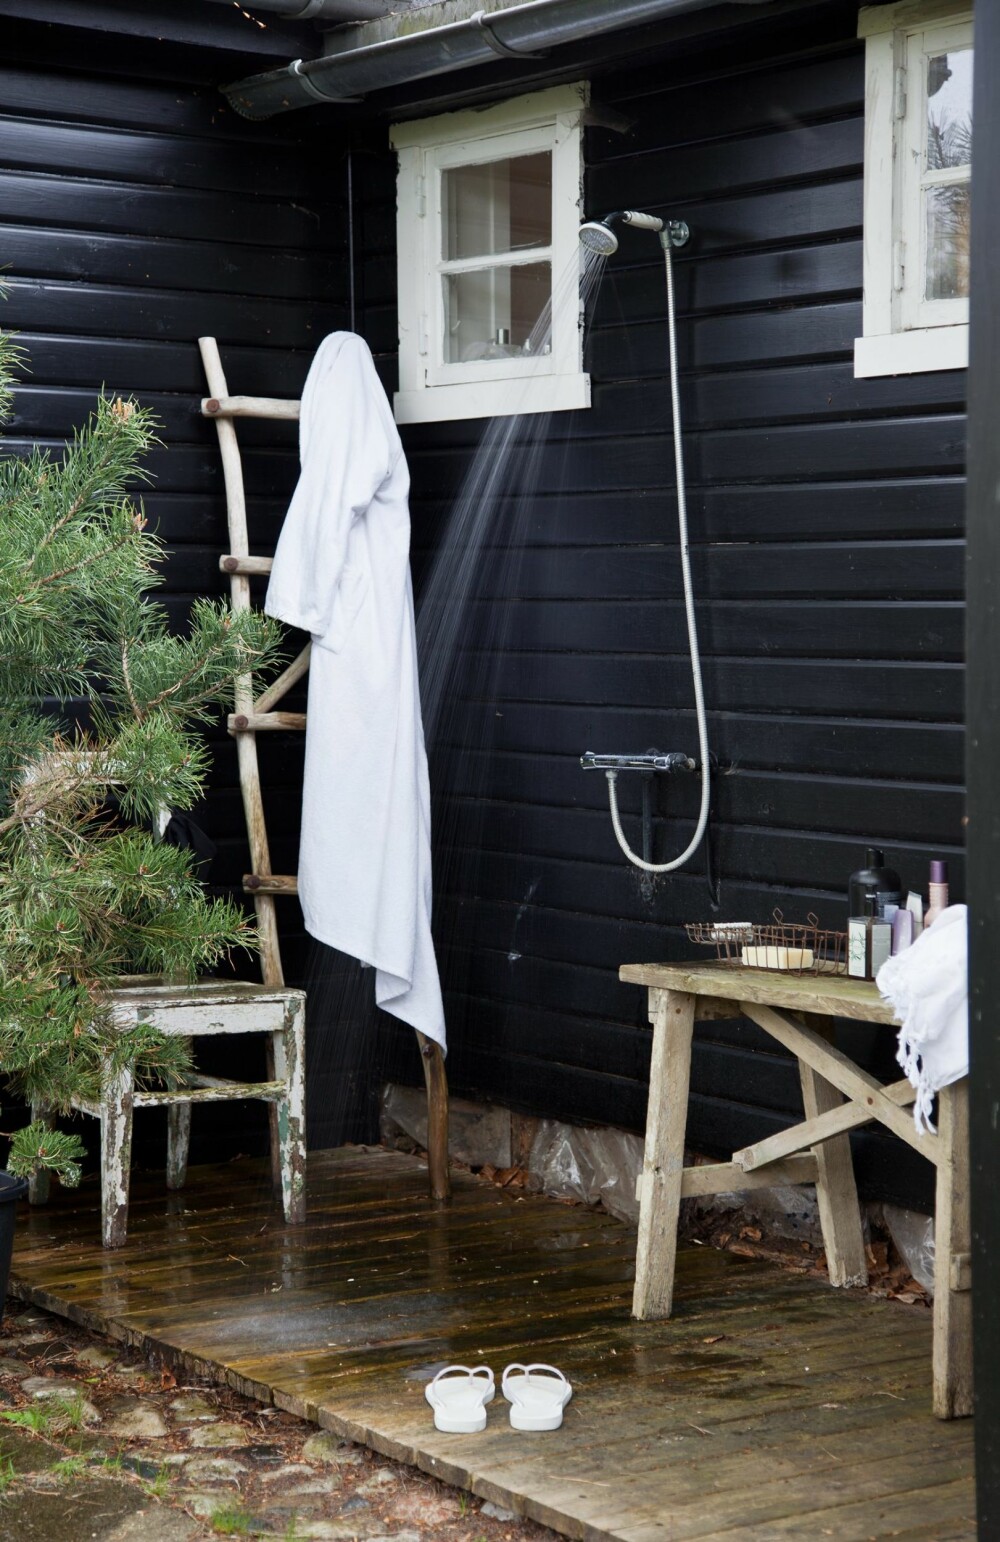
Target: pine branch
x,y
37,1146
84,897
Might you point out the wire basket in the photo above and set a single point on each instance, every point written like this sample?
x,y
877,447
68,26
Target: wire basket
x,y
783,946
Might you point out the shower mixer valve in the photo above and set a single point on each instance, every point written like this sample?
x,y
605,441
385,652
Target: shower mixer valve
x,y
652,760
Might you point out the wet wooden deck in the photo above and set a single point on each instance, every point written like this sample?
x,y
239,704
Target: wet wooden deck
x,y
769,1407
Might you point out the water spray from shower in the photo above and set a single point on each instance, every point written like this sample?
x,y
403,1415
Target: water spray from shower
x,y
598,236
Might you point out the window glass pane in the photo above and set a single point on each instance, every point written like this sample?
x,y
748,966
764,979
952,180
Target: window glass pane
x,y
949,109
490,314
502,206
947,242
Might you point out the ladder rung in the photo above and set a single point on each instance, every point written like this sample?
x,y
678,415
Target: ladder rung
x,y
270,883
288,677
261,722
230,564
215,1090
249,407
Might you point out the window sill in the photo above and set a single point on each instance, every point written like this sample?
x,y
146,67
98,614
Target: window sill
x,y
492,399
912,353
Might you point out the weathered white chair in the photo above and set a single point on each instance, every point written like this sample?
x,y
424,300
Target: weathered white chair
x,y
207,1008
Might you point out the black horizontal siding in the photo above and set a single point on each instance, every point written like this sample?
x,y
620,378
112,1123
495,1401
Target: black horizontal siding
x,y
826,513
136,213
827,548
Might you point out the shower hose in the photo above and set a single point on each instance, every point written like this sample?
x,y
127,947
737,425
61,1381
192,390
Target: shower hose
x,y
692,630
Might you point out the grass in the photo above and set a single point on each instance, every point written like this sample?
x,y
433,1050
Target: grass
x,y
68,1467
7,1475
54,1416
157,1487
231,1521
111,1467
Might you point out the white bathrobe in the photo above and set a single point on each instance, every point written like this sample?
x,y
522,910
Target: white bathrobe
x,y
342,572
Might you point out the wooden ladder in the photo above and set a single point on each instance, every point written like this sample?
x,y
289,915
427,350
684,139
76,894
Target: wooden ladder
x,y
254,715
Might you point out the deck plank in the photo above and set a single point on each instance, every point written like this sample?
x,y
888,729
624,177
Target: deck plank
x,y
673,1423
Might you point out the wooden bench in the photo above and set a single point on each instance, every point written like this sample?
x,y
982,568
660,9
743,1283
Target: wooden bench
x,y
837,1096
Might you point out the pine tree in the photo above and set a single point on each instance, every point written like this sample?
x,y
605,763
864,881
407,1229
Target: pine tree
x,y
100,707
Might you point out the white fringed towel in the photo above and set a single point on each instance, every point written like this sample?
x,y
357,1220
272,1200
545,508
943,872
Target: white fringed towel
x,y
927,986
342,572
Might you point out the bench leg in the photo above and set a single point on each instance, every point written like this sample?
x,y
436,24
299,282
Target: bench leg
x,y
40,1183
672,1016
952,1247
116,1156
178,1143
836,1191
290,1067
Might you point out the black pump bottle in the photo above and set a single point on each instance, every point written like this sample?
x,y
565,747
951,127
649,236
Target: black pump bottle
x,y
875,879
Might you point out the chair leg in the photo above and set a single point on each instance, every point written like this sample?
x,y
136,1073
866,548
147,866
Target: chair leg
x,y
116,1156
290,1067
40,1183
178,1141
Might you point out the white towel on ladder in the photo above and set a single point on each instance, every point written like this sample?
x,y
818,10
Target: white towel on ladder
x,y
342,572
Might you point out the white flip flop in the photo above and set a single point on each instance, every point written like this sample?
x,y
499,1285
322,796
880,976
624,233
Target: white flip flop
x,y
537,1395
458,1395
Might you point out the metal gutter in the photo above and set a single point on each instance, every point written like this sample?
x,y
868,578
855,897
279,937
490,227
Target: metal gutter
x,y
524,32
320,10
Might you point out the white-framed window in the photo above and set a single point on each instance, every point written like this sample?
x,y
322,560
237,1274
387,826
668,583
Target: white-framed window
x,y
488,213
918,160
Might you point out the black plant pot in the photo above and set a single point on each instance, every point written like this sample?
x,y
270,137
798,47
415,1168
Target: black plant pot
x,y
11,1190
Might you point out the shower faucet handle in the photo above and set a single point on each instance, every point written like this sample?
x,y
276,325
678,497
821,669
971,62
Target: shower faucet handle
x,y
652,760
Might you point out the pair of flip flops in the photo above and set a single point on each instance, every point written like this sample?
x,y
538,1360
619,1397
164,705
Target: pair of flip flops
x,y
537,1395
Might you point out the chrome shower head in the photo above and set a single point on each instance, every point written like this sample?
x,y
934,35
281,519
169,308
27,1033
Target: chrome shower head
x,y
598,237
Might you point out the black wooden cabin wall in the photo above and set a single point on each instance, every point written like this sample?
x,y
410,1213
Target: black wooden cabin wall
x,y
826,523
137,213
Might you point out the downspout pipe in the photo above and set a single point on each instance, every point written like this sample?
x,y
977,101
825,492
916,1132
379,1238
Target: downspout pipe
x,y
526,32
321,10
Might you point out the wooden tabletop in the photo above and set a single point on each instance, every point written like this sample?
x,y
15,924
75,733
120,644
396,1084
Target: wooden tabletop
x,y
832,995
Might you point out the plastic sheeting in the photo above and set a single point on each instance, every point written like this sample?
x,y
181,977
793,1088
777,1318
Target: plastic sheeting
x,y
913,1234
477,1132
603,1164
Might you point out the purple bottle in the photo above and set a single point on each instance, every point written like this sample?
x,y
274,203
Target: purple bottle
x,y
938,892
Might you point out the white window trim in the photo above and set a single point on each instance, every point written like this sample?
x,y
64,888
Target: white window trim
x,y
431,391
900,336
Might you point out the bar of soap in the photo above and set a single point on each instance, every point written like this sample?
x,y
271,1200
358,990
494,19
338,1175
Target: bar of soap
x,y
776,957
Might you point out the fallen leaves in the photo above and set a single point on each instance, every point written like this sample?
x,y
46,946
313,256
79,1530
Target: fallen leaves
x,y
505,1177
